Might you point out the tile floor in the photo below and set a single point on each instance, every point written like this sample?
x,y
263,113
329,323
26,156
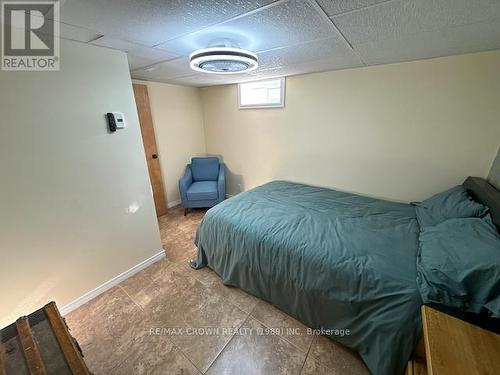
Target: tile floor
x,y
151,323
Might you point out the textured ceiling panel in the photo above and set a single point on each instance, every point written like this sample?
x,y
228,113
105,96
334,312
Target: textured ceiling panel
x,y
277,71
74,33
194,78
139,56
77,33
333,49
134,48
197,81
310,67
137,62
286,23
406,17
333,7
203,80
170,69
452,41
238,78
154,21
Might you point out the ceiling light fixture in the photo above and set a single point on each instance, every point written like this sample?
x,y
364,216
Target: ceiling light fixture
x,y
223,60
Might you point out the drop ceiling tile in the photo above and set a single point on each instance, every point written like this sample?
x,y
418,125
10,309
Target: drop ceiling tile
x,y
138,62
203,80
333,49
154,21
195,81
334,7
166,70
77,33
452,41
310,67
70,32
406,17
326,65
236,78
283,24
278,71
135,49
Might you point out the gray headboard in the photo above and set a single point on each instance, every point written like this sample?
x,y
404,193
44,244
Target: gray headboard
x,y
483,192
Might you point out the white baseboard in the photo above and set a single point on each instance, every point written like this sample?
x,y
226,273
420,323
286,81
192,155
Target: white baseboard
x,y
173,203
66,309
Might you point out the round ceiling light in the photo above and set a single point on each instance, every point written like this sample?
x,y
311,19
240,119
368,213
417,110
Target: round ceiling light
x,y
223,60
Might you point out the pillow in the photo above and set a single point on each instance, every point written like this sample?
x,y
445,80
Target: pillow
x,y
459,265
205,168
449,204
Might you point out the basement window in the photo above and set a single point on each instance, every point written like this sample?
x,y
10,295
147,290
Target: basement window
x,y
269,93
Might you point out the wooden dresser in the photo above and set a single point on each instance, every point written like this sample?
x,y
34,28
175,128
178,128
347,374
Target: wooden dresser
x,y
451,346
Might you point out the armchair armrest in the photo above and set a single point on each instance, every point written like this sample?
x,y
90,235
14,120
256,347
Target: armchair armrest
x,y
185,182
221,182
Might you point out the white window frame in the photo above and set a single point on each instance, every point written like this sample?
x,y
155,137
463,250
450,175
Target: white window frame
x,y
281,104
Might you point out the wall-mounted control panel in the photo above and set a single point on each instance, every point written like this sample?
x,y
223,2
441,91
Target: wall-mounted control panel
x,y
116,120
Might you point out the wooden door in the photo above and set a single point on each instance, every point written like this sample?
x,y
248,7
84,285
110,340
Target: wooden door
x,y
149,140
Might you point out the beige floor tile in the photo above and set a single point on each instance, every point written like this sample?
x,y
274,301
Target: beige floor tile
x,y
154,354
290,328
176,301
105,327
202,350
336,356
180,249
236,296
205,333
313,367
251,353
146,277
177,233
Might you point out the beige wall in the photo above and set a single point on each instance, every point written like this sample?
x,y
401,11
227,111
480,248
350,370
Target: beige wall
x,y
178,122
76,204
401,131
494,175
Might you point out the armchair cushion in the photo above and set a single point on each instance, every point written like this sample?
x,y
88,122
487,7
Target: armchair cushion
x,y
202,190
205,169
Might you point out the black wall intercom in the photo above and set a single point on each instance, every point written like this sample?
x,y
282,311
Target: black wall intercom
x,y
111,122
116,120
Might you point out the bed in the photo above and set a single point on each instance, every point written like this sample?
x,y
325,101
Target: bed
x,y
336,261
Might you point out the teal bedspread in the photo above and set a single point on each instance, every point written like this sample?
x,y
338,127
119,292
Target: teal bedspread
x,y
333,260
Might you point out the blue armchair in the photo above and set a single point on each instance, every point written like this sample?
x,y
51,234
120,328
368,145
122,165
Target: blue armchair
x,y
203,183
